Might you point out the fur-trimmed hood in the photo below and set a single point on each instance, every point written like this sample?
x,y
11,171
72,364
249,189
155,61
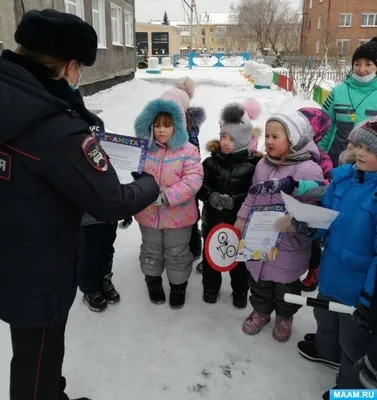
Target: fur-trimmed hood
x,y
144,123
196,116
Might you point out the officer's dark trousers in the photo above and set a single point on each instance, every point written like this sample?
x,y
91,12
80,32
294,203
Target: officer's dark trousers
x,y
36,366
99,254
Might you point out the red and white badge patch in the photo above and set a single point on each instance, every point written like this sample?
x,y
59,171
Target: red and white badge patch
x,y
95,154
5,166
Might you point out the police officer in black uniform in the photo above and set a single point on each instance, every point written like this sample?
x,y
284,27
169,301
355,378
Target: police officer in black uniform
x,y
51,171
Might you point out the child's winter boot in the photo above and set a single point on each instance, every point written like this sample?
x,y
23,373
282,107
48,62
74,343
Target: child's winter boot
x,y
283,329
210,296
177,295
308,350
155,289
95,301
310,283
239,299
108,289
255,322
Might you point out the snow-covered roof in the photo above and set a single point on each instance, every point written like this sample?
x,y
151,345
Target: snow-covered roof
x,y
207,18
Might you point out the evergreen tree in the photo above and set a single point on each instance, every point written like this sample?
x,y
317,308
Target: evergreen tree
x,y
165,21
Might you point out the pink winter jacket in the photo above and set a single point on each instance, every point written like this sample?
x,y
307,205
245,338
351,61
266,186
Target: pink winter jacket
x,y
294,251
179,173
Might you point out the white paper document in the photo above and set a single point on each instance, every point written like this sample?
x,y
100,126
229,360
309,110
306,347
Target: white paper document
x,y
260,240
127,154
316,217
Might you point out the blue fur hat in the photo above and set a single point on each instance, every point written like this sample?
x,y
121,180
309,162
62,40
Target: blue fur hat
x,y
144,123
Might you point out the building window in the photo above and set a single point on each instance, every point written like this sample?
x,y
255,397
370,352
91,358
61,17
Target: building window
x,y
345,20
75,7
321,1
343,47
239,49
212,40
211,49
309,24
203,31
195,40
212,30
116,24
368,20
317,46
221,30
99,22
360,42
194,30
129,28
310,3
319,23
220,49
221,40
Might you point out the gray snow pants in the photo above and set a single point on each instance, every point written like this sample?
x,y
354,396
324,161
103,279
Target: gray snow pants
x,y
341,339
168,248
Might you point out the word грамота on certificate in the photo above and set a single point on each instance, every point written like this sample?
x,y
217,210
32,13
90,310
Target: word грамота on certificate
x,y
127,154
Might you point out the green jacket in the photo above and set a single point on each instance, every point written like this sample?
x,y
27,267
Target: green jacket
x,y
348,98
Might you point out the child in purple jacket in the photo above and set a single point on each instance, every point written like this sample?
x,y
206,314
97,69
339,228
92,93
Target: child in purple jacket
x,y
290,152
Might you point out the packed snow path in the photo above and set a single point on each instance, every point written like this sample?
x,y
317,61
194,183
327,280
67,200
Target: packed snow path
x,y
138,351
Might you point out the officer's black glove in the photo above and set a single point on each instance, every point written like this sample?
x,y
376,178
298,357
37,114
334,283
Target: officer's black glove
x,y
302,228
125,223
362,317
138,175
367,373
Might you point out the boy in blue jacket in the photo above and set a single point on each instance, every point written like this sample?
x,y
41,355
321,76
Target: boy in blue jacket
x,y
348,266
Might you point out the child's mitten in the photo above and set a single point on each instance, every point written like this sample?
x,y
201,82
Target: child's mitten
x,y
228,202
303,228
273,186
215,200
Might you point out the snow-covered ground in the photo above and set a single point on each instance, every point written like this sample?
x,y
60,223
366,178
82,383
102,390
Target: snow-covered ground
x,y
139,351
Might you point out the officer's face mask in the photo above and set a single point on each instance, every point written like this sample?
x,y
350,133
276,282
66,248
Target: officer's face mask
x,y
77,84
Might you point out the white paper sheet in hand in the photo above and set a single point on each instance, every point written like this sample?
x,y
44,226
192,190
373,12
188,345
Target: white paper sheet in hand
x,y
316,217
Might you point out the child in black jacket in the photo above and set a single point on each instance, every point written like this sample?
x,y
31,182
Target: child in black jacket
x,y
228,173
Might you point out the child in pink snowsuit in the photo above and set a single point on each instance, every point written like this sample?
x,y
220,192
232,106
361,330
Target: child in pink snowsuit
x,y
290,152
166,225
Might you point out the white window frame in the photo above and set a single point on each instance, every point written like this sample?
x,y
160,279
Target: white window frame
x,y
318,46
221,49
101,29
116,25
321,1
310,3
129,28
319,23
368,15
342,41
360,42
79,7
345,15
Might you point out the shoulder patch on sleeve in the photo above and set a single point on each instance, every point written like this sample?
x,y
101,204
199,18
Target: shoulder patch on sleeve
x,y
5,166
94,153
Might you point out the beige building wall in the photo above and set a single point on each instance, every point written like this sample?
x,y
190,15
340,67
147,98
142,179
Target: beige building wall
x,y
174,36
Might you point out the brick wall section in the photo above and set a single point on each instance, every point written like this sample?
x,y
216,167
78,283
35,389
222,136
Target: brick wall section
x,y
329,11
